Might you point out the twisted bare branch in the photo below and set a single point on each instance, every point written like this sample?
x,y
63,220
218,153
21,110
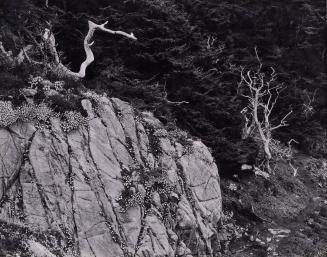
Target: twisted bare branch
x,y
62,69
50,43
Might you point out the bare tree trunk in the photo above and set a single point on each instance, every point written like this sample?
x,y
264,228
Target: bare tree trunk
x,y
262,92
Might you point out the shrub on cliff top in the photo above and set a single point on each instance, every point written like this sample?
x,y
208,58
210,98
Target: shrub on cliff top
x,y
39,114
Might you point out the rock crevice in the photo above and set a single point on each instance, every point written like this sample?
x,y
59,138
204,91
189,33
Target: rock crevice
x,y
122,186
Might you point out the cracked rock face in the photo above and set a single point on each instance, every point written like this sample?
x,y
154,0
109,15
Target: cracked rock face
x,y
122,186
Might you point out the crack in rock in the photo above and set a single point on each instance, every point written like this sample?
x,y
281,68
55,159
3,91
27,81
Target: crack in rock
x,y
70,183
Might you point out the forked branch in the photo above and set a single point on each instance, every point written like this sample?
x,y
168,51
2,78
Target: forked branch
x,y
261,90
61,68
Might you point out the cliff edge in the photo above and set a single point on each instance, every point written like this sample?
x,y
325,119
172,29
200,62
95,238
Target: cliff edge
x,y
122,185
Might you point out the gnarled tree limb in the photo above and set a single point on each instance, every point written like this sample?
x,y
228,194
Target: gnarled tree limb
x,y
61,68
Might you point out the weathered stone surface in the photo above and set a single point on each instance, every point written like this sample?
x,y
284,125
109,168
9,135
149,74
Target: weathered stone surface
x,y
123,186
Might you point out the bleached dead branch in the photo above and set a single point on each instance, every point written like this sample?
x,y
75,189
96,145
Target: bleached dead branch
x,y
56,65
262,92
61,68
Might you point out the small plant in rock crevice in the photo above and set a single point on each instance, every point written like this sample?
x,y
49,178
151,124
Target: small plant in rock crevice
x,y
139,186
130,197
72,120
173,134
179,136
95,99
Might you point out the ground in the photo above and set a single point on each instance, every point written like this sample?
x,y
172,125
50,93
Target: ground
x,y
284,215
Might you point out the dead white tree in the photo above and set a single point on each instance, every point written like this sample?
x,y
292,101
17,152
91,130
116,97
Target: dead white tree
x,y
61,68
56,65
262,92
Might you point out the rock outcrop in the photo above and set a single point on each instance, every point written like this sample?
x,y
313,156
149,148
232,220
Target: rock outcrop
x,y
121,186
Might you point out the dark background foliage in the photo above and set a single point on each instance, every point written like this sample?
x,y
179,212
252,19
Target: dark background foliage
x,y
190,49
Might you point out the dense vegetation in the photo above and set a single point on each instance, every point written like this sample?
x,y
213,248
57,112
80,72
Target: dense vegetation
x,y
189,51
